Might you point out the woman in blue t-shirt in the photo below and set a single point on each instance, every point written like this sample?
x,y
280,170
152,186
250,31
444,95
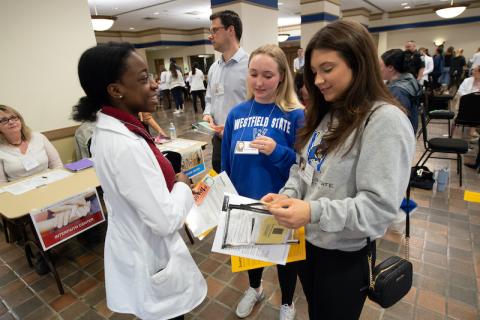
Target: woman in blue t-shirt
x,y
267,122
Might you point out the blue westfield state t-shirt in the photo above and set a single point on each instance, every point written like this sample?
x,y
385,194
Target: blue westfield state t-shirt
x,y
256,175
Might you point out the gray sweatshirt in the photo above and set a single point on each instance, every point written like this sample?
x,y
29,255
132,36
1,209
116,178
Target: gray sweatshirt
x,y
356,195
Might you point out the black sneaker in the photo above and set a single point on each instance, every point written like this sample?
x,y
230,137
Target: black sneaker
x,y
41,266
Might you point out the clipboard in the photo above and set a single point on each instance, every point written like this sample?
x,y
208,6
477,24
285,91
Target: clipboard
x,y
268,234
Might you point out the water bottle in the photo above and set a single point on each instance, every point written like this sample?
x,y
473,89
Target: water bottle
x,y
442,179
173,131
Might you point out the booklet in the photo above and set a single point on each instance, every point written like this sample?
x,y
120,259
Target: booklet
x,y
203,127
79,165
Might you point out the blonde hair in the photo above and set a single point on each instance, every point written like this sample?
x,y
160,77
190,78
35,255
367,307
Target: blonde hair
x,y
285,98
26,132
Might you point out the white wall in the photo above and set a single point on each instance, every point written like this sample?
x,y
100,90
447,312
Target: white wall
x,y
459,36
41,42
173,52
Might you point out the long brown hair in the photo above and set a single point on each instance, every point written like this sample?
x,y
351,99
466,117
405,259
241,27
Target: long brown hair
x,y
355,45
26,132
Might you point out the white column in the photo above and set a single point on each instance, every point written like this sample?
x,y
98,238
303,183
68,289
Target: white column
x,y
315,15
41,44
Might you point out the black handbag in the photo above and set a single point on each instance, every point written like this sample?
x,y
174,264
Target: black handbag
x,y
421,177
391,280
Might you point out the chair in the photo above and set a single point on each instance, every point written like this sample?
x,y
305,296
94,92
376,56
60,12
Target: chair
x,y
469,111
438,110
441,145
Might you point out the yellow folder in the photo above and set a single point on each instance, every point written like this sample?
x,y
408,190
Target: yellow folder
x,y
296,253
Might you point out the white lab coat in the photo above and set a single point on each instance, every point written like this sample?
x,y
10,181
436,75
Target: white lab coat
x,y
149,271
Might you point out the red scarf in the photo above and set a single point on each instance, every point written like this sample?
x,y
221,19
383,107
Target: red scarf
x,y
133,124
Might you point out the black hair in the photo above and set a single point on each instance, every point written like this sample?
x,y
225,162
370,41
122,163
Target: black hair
x,y
299,82
396,59
195,66
173,69
98,67
229,18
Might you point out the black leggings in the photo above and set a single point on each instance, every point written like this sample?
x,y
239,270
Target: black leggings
x,y
287,278
335,282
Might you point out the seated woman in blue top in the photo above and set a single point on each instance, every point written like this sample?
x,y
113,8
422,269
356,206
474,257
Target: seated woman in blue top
x,y
257,151
403,86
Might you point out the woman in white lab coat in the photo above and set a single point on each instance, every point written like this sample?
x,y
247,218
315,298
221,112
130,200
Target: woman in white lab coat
x,y
149,271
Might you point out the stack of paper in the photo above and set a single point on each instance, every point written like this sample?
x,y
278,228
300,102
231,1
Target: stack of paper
x,y
203,127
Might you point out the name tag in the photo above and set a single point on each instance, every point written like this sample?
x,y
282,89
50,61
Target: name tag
x,y
29,163
243,147
305,171
218,89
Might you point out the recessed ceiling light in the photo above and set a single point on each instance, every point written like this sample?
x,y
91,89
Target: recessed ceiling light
x,y
404,4
156,13
116,8
131,28
280,3
407,7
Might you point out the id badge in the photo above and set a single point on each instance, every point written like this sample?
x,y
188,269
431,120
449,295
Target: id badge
x,y
29,163
219,90
306,171
243,147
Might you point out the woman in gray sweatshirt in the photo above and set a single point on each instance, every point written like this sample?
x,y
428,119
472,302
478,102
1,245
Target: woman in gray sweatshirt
x,y
353,165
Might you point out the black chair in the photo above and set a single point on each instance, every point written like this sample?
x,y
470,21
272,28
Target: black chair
x,y
441,145
469,111
438,110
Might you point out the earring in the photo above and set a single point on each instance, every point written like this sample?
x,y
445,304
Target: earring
x,y
120,97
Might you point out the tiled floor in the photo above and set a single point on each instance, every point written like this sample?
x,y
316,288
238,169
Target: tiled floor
x,y
445,251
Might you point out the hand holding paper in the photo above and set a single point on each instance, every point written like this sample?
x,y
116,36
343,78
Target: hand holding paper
x,y
291,213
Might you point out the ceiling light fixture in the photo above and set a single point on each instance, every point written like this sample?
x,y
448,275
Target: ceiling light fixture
x,y
102,22
283,37
450,12
406,7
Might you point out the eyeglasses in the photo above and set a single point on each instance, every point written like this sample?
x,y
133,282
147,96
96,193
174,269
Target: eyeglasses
x,y
4,121
214,30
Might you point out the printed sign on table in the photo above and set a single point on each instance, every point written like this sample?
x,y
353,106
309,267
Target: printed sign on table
x,y
67,218
193,163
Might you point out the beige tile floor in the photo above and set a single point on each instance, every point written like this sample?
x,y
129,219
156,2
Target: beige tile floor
x,y
445,251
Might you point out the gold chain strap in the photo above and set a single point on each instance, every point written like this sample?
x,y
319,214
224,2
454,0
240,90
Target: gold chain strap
x,y
370,273
407,248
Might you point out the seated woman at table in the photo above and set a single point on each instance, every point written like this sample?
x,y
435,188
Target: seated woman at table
x,y
22,152
149,122
149,271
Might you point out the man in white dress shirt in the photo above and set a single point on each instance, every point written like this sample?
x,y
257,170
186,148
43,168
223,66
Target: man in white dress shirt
x,y
299,61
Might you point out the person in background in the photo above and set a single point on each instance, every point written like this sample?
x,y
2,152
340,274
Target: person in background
x,y
271,97
299,61
475,60
22,152
226,76
457,71
149,122
197,89
300,88
83,138
358,146
469,85
164,88
149,271
176,84
447,63
428,68
437,68
413,60
401,83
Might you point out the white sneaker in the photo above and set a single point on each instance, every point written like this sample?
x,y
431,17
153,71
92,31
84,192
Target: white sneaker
x,y
250,298
176,111
287,312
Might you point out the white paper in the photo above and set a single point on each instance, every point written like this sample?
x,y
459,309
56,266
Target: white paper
x,y
1,190
205,217
37,181
271,253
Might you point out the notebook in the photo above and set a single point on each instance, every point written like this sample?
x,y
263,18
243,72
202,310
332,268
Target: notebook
x,y
79,165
